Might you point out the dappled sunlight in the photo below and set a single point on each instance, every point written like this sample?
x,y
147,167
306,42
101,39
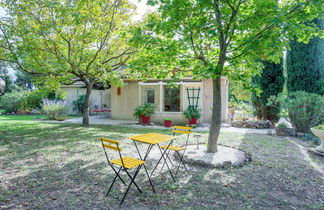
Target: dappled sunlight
x,y
42,161
308,159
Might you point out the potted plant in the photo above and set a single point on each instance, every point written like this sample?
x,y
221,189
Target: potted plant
x,y
144,113
319,132
192,114
167,122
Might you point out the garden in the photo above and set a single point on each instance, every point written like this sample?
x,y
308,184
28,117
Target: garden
x,y
229,98
63,166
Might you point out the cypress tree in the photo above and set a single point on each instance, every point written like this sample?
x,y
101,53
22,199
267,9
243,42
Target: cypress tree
x,y
305,64
270,82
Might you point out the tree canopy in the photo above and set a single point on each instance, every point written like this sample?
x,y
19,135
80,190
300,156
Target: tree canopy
x,y
67,41
209,39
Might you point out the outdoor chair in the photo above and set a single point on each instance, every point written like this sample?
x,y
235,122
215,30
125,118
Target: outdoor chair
x,y
177,149
124,164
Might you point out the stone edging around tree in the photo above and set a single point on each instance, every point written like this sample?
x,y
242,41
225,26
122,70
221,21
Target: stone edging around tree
x,y
226,157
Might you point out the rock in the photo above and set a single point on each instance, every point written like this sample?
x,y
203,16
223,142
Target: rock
x,y
284,131
260,124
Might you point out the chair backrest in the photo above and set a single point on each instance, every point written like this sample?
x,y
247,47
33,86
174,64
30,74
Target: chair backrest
x,y
182,130
112,145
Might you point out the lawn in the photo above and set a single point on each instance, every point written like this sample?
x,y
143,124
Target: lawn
x,y
56,166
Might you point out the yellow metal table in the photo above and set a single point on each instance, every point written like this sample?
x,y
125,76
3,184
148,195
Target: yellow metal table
x,y
153,139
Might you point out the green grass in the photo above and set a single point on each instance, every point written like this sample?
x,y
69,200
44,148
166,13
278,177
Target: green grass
x,y
62,166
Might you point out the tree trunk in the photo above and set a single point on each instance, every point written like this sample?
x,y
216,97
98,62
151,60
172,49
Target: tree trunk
x,y
216,116
86,105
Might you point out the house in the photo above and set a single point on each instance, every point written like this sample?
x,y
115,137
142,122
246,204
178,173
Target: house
x,y
99,97
169,101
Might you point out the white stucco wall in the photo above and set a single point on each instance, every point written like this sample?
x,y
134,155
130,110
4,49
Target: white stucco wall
x,y
97,97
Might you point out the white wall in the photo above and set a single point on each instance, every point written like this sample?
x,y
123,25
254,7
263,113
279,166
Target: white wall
x,y
97,97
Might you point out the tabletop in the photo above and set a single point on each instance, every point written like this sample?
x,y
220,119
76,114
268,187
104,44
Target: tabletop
x,y
152,138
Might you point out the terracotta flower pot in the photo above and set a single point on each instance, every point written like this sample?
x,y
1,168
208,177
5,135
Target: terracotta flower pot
x,y
167,123
145,120
320,135
193,121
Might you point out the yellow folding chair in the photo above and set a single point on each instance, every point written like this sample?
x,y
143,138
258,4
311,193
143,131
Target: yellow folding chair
x,y
125,164
177,149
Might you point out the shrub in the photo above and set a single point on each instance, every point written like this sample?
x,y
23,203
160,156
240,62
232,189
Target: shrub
x,y
13,101
192,112
53,108
270,82
78,104
34,99
282,125
320,127
305,110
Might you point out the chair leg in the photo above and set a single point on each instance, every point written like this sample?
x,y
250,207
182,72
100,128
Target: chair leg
x,y
165,160
168,159
117,174
180,161
132,181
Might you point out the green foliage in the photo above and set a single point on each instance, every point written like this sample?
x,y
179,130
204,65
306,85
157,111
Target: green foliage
x,y
24,80
61,41
78,104
305,110
168,119
270,82
305,66
34,99
239,91
145,110
319,127
53,109
13,101
7,83
282,125
192,112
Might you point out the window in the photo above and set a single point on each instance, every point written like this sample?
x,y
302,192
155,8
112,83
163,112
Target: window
x,y
149,96
171,99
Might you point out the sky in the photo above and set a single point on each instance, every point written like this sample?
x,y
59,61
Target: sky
x,y
142,8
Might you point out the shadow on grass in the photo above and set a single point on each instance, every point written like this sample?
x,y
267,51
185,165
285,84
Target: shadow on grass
x,y
63,166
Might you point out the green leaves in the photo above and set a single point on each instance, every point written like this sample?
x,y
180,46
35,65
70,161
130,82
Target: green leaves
x,y
64,40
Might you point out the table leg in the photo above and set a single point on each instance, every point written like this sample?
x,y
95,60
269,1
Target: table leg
x,y
160,160
166,159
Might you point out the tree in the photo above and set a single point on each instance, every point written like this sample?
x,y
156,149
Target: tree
x,y
270,82
305,67
7,80
24,80
62,42
210,39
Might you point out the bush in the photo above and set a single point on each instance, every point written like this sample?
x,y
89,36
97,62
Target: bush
x,y
305,110
78,104
13,101
53,108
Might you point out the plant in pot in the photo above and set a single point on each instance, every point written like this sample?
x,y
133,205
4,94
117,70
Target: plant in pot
x,y
144,112
192,114
319,132
167,122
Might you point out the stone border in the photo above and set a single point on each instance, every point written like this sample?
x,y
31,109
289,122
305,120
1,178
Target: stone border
x,y
223,165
